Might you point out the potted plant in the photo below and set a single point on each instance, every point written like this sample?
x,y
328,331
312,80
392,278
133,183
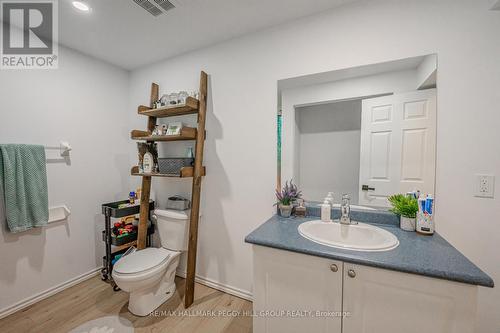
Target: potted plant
x,y
288,194
406,207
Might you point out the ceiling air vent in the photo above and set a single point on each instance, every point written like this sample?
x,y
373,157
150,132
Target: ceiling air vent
x,y
165,4
152,8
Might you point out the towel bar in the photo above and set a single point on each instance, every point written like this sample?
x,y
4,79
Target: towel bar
x,y
58,213
64,148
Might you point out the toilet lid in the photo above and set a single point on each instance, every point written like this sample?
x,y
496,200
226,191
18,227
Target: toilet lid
x,y
141,261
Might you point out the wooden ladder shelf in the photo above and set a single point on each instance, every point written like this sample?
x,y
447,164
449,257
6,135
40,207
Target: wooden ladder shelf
x,y
192,106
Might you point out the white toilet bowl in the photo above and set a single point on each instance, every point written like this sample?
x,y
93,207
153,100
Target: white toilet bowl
x,y
149,274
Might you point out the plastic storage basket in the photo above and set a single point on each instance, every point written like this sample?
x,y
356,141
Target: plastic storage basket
x,y
173,166
178,203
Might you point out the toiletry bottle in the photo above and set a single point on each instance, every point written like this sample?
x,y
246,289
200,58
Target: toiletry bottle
x,y
421,204
329,198
300,210
429,204
326,211
148,163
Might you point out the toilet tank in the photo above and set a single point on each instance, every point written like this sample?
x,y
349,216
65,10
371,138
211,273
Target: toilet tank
x,y
173,227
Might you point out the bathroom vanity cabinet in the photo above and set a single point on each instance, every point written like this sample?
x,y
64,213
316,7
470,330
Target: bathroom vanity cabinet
x,y
302,293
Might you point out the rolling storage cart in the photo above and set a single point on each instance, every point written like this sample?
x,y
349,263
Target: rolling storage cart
x,y
111,210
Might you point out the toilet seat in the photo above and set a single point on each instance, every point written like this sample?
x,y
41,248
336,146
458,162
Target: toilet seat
x,y
143,264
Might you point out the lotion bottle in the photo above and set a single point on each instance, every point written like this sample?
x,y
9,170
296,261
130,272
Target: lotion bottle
x,y
148,163
326,211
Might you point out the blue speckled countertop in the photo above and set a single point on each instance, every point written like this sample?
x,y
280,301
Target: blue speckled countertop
x,y
430,256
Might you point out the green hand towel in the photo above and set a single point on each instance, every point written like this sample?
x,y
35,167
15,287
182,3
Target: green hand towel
x,y
23,178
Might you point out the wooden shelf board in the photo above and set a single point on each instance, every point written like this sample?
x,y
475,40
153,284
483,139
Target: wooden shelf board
x,y
186,172
190,107
187,133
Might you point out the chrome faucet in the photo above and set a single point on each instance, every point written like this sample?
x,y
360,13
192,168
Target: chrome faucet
x,y
345,210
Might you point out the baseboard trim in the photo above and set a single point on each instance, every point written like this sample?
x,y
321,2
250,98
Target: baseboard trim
x,y
47,293
220,286
70,283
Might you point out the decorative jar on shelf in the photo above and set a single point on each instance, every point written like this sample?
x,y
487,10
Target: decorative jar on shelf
x,y
183,95
173,98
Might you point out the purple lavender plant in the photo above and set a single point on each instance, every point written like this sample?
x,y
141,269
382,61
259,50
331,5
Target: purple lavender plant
x,y
289,193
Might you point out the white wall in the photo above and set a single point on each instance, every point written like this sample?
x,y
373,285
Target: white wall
x,y
85,103
427,72
329,148
241,144
364,86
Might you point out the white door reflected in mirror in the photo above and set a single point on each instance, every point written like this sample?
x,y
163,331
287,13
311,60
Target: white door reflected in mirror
x,y
398,147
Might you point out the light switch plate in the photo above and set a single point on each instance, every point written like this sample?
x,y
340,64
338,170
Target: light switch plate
x,y
484,186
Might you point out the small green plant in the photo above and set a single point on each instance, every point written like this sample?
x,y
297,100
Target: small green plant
x,y
404,205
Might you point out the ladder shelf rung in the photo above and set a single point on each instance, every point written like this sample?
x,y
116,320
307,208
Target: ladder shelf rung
x,y
185,172
187,133
190,107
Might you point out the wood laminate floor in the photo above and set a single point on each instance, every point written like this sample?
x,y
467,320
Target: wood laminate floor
x,y
93,299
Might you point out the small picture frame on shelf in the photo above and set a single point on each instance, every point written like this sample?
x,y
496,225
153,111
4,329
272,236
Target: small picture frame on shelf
x,y
174,128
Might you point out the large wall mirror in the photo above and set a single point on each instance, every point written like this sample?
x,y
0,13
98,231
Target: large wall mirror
x,y
367,131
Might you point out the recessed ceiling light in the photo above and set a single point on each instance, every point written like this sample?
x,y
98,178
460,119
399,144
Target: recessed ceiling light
x,y
81,6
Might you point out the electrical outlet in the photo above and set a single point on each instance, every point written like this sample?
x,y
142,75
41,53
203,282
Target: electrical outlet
x,y
484,186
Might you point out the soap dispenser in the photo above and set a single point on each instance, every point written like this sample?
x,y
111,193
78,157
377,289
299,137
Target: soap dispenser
x,y
329,198
326,211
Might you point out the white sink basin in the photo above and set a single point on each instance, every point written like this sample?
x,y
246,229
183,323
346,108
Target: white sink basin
x,y
360,237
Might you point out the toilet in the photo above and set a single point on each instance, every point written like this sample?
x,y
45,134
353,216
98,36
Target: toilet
x,y
148,275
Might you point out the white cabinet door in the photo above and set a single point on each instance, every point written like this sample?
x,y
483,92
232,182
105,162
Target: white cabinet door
x,y
382,301
398,145
289,289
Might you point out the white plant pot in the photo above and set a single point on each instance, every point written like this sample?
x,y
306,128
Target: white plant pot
x,y
407,224
285,211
